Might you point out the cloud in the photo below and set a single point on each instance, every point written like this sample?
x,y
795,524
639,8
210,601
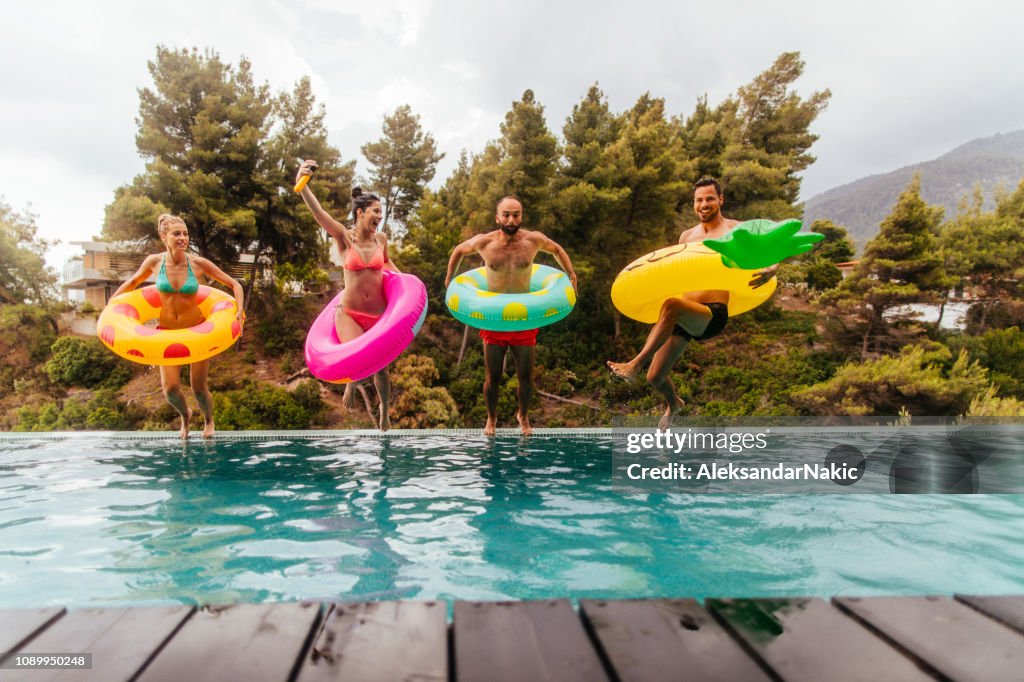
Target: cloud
x,y
908,83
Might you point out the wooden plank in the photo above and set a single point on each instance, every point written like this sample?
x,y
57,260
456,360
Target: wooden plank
x,y
121,641
18,626
951,638
666,639
809,639
1007,610
245,642
532,641
397,640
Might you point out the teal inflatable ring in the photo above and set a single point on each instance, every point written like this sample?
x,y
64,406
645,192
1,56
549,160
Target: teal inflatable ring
x,y
550,299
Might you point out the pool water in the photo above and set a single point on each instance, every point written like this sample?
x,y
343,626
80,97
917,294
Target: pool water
x,y
97,521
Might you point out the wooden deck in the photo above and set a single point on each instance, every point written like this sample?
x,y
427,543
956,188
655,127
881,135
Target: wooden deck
x,y
876,638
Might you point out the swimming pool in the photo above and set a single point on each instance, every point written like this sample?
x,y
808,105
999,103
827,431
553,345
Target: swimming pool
x,y
114,519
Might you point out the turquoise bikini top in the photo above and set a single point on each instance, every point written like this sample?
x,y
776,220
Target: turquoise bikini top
x,y
163,285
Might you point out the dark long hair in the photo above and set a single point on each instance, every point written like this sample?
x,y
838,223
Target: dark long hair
x,y
361,201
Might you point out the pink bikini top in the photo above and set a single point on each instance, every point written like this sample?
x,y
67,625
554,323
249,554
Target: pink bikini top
x,y
353,261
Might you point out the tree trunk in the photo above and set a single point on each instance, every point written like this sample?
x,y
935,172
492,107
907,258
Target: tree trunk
x,y
465,340
552,396
250,283
867,336
942,311
247,289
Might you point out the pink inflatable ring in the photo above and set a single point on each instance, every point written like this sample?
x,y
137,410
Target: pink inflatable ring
x,y
339,363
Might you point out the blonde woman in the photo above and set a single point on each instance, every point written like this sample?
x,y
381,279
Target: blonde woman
x,y
177,281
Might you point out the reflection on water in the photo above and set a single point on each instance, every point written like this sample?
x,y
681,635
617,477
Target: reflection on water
x,y
88,522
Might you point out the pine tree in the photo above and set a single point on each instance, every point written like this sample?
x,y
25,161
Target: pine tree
x,y
836,247
583,186
402,163
529,154
901,265
221,152
285,229
648,163
985,251
757,142
819,265
200,130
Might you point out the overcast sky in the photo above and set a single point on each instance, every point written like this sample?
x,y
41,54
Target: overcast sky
x,y
909,80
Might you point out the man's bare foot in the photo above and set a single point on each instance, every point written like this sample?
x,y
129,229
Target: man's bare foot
x,y
385,419
489,427
524,424
666,419
184,424
624,370
208,428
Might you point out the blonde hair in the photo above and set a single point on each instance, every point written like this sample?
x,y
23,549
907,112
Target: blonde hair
x,y
164,222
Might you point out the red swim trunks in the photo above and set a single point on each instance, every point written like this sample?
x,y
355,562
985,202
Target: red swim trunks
x,y
506,339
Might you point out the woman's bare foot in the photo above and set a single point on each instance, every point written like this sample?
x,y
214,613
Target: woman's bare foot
x,y
184,424
208,428
489,427
385,419
348,398
624,370
666,419
524,424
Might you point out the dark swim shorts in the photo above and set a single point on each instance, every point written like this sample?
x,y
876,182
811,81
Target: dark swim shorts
x,y
719,316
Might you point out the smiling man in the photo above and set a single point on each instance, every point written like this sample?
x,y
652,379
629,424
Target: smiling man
x,y
508,253
696,315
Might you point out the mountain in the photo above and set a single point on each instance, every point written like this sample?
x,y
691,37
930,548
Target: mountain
x,y
861,205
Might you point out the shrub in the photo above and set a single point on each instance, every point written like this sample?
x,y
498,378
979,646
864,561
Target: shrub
x,y
987,404
259,406
418,403
1002,352
85,362
102,411
913,380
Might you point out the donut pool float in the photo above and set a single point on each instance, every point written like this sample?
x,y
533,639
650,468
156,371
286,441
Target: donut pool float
x,y
725,264
339,363
550,299
122,328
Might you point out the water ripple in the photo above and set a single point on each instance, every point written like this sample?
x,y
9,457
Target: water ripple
x,y
454,517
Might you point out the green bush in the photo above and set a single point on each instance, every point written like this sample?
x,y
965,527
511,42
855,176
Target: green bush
x,y
85,362
1002,352
988,404
417,402
102,411
915,381
259,406
307,395
822,274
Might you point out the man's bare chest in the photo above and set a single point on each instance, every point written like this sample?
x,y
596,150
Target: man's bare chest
x,y
514,256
